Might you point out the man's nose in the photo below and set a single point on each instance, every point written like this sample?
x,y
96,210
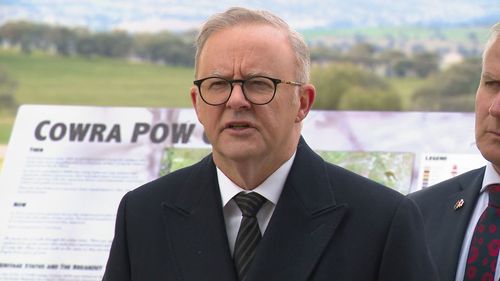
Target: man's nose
x,y
495,106
237,100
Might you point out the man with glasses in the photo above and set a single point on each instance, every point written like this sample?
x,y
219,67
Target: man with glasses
x,y
263,205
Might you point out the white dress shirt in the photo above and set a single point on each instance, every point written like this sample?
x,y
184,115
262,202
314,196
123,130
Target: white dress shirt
x,y
490,177
270,189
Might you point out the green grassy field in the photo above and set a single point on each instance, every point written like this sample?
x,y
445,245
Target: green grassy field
x,y
47,79
5,128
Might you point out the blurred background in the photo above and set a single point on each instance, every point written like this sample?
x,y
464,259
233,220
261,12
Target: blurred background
x,y
367,54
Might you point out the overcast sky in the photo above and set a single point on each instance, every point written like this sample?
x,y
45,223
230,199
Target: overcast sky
x,y
154,15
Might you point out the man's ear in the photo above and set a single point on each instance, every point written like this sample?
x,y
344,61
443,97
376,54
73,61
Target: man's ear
x,y
195,100
306,99
193,92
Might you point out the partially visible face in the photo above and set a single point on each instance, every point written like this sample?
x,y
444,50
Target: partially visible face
x,y
488,107
239,130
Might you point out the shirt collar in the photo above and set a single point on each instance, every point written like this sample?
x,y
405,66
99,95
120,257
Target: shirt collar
x,y
270,189
490,176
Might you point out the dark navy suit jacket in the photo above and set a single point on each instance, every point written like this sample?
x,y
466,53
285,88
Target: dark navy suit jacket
x,y
329,224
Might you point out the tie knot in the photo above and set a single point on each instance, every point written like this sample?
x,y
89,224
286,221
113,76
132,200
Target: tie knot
x,y
249,203
494,195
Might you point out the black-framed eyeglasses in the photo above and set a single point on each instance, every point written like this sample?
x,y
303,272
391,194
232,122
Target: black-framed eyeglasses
x,y
258,90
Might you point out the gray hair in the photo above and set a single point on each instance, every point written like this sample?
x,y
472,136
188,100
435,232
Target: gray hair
x,y
237,15
495,33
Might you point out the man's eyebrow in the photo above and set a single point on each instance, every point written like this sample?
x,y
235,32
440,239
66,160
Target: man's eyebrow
x,y
489,76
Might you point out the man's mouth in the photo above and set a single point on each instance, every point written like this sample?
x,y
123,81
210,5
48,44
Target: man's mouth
x,y
497,133
237,126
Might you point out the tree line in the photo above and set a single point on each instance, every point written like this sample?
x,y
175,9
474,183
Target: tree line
x,y
344,86
163,47
178,49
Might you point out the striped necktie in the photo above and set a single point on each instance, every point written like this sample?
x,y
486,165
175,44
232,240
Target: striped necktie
x,y
249,233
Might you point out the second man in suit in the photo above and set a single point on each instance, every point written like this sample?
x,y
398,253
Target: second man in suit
x,y
453,208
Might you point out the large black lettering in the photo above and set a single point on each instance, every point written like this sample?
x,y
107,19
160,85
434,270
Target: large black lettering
x,y
114,134
163,130
78,131
205,138
97,132
58,131
181,131
139,129
38,130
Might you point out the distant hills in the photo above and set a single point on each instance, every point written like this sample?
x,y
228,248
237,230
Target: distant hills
x,y
181,15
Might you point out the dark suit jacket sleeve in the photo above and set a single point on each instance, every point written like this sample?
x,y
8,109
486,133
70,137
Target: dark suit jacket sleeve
x,y
406,254
118,266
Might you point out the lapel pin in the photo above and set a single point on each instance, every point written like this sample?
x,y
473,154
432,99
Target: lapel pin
x,y
459,204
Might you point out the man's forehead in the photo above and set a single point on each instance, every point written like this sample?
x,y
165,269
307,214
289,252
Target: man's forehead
x,y
491,62
251,55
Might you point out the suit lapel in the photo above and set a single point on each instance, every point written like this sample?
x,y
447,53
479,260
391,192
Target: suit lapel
x,y
456,221
303,223
195,228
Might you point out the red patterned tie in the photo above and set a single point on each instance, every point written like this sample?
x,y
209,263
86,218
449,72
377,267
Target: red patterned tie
x,y
485,244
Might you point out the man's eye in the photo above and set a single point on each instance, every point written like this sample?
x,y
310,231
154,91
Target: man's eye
x,y
218,84
492,83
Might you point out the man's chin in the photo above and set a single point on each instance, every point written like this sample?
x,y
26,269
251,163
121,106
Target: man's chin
x,y
237,153
491,153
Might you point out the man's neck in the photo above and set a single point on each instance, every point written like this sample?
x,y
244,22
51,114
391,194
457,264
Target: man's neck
x,y
249,173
